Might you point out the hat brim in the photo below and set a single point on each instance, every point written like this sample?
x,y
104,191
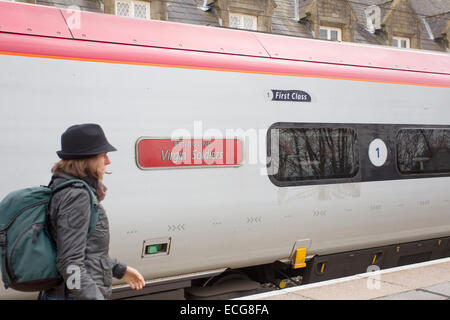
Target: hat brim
x,y
69,156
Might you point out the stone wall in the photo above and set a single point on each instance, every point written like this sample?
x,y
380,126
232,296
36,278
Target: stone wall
x,y
262,9
332,13
402,21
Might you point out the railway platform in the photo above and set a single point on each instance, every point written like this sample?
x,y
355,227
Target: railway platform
x,y
422,281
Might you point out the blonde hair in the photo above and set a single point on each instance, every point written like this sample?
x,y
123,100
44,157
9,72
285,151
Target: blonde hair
x,y
78,167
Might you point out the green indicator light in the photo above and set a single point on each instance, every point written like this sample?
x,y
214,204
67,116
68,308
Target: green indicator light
x,y
154,248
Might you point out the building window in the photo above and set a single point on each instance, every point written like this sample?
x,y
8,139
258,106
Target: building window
x,y
423,151
243,21
299,154
328,33
133,9
399,42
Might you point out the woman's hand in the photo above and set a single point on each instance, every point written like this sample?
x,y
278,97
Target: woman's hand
x,y
134,279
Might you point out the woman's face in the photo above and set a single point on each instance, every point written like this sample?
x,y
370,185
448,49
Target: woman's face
x,y
102,162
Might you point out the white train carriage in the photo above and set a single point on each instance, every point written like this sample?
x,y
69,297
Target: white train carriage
x,y
237,150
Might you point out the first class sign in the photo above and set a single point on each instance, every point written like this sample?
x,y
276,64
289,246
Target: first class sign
x,y
290,95
164,153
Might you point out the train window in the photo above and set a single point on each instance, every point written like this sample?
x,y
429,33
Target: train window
x,y
314,153
423,151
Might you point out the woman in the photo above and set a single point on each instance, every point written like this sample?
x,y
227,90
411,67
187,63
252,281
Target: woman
x,y
83,259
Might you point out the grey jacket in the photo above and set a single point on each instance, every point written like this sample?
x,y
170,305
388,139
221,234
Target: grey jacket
x,y
76,253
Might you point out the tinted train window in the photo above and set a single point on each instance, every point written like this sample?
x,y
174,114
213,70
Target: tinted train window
x,y
315,153
423,151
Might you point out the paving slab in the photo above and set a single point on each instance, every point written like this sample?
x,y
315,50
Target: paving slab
x,y
444,266
413,295
442,288
356,289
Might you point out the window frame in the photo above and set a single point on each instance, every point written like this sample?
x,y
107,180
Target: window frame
x,y
356,177
399,41
132,10
329,29
417,174
241,17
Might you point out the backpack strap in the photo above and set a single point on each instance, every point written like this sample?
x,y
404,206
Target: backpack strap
x,y
3,245
93,198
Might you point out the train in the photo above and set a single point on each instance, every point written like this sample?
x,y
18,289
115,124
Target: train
x,y
244,158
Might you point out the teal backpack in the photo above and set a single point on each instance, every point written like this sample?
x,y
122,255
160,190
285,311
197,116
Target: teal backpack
x,y
27,249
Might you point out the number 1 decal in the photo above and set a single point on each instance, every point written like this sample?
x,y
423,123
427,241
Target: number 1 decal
x,y
377,152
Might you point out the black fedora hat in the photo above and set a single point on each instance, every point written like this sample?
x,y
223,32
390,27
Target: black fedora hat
x,y
83,140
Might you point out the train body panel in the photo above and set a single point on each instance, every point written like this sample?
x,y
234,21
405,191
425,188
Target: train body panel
x,y
217,217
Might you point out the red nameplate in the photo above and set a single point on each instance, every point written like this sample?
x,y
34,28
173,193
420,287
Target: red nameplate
x,y
182,153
